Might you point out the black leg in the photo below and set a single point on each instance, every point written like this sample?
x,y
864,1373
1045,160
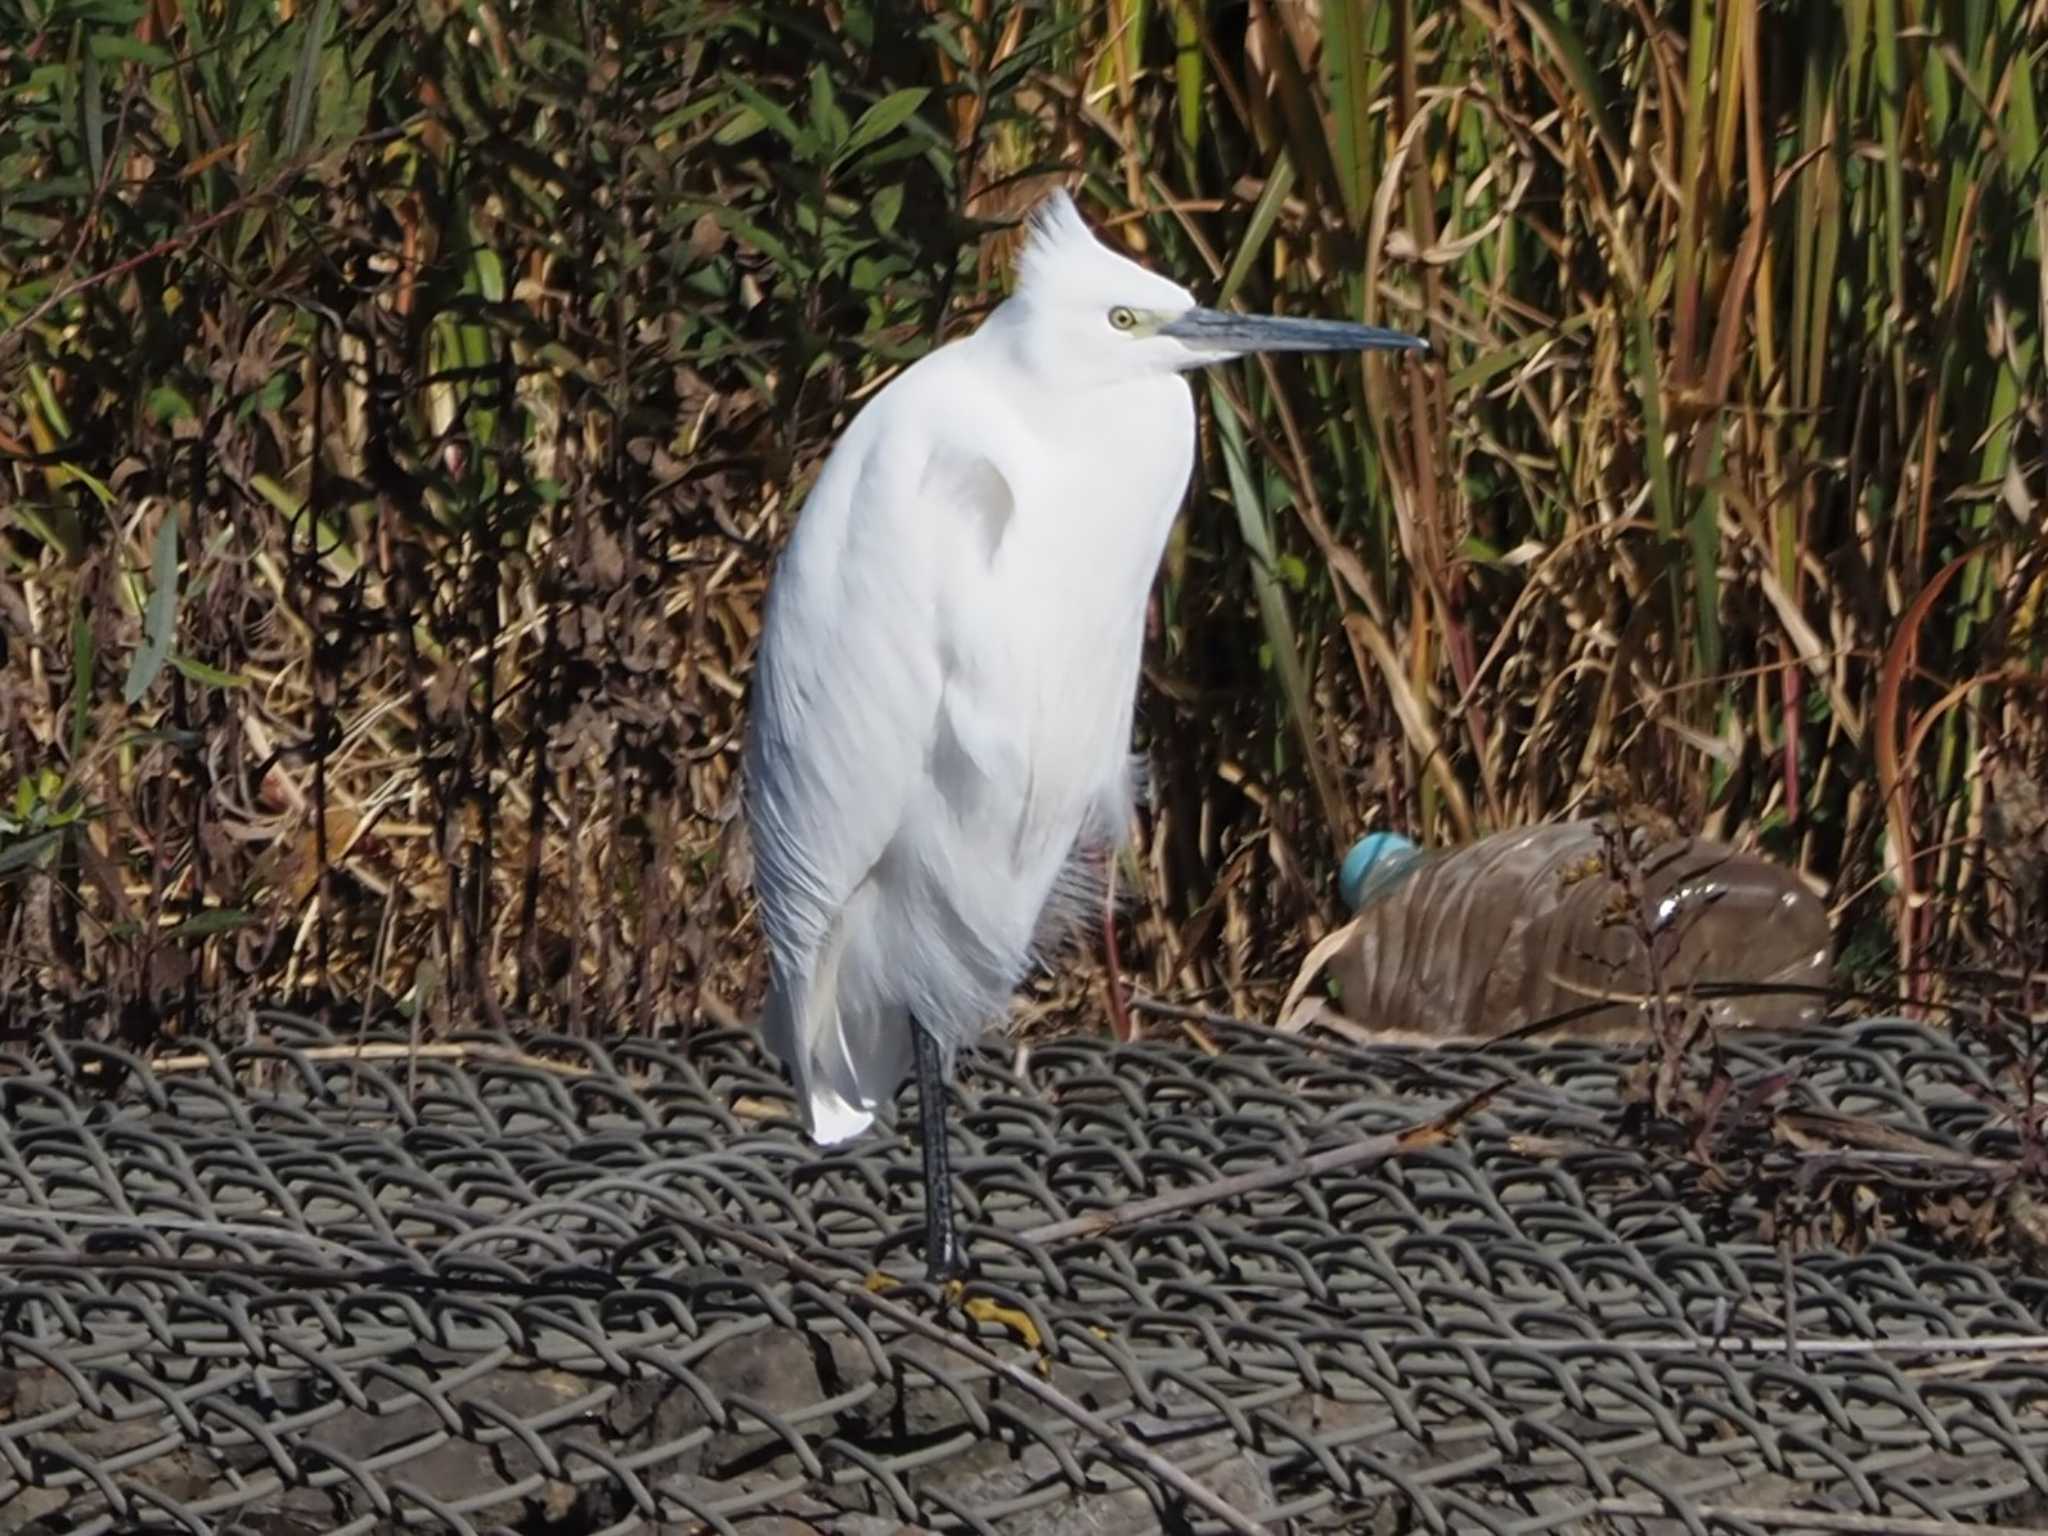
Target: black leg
x,y
942,1257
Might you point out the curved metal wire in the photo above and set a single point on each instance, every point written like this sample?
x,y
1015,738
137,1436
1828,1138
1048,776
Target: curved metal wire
x,y
494,1289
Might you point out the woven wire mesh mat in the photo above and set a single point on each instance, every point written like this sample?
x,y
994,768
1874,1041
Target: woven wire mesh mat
x,y
303,1286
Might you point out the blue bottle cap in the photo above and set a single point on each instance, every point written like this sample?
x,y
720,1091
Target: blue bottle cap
x,y
1372,855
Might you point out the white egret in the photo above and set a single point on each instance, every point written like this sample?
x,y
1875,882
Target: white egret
x,y
939,742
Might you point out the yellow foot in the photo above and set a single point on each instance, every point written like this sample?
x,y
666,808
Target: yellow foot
x,y
880,1280
985,1309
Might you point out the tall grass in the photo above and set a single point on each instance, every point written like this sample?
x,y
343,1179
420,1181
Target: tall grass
x,y
400,405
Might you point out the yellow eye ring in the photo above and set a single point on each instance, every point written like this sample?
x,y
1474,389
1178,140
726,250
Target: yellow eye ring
x,y
1124,319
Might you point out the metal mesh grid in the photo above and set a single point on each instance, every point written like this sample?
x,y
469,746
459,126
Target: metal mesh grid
x,y
296,1287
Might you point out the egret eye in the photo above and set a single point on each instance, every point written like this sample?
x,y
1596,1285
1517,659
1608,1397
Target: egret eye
x,y
1124,319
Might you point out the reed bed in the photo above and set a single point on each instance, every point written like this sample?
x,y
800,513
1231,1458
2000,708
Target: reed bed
x,y
401,405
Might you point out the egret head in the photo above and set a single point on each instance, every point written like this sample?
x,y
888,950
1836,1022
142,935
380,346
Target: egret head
x,y
1090,308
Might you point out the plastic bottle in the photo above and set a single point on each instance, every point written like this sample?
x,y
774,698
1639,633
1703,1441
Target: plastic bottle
x,y
1526,925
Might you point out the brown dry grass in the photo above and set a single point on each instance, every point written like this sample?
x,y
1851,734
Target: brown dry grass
x,y
400,408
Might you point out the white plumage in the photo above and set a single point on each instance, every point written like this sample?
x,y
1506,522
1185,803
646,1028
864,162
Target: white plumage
x,y
942,702
943,695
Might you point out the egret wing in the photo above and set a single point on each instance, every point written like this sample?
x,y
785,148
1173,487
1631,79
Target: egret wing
x,y
849,729
846,695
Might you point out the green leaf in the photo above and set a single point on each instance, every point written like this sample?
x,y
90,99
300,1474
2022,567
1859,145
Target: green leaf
x,y
114,48
1351,79
28,851
738,224
202,924
887,205
277,495
1478,550
1488,365
827,120
739,128
95,117
881,120
1569,52
487,277
1188,71
1253,524
168,405
212,677
46,397
1265,213
306,81
40,230
802,140
184,741
160,618
81,677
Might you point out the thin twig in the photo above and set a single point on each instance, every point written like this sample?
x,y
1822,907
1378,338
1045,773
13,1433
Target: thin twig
x,y
1812,1519
1107,1434
10,338
388,1050
745,1108
1371,1149
1707,1346
106,180
328,1248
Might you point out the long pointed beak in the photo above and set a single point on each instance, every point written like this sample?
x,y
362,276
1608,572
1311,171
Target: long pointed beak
x,y
1214,330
